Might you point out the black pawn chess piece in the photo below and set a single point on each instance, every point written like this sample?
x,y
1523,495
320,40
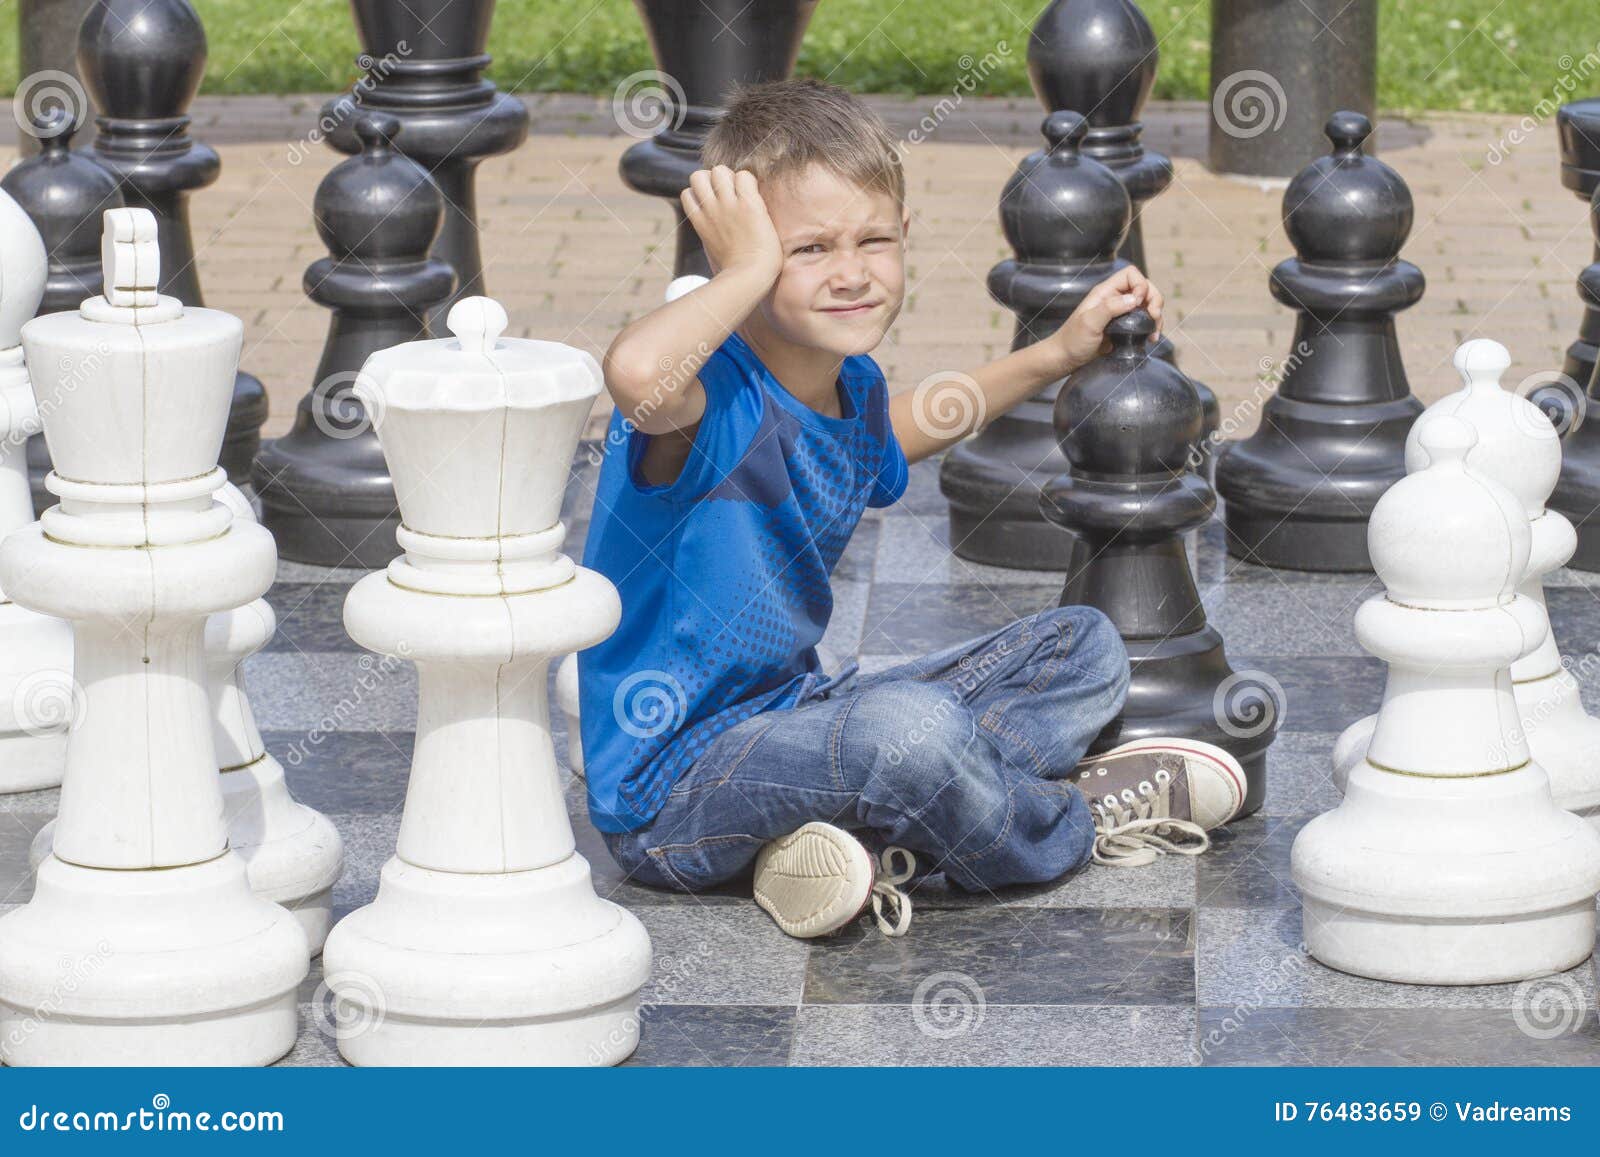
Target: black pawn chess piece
x,y
142,61
704,49
1299,490
1063,215
325,489
1577,494
64,193
1099,58
424,62
1128,424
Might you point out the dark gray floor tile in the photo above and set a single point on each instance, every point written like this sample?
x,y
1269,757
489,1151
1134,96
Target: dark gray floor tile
x,y
860,558
1284,619
1575,618
1248,864
922,496
369,842
1343,1037
345,771
310,617
1253,958
1326,694
1167,883
950,1027
915,548
315,1047
905,619
735,1036
1014,956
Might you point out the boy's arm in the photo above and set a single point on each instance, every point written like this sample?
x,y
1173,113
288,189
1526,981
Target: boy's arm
x,y
945,409
652,364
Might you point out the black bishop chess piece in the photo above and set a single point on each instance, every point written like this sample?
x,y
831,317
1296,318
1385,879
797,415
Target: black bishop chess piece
x,y
702,51
64,193
1064,215
325,489
1099,58
424,62
1574,405
1299,491
142,61
1129,424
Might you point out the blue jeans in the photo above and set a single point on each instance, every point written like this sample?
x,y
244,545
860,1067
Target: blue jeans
x,y
960,756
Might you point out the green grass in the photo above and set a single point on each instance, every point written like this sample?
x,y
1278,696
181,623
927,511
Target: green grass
x,y
1433,54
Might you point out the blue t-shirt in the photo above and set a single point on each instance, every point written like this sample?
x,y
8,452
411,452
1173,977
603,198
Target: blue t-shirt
x,y
724,573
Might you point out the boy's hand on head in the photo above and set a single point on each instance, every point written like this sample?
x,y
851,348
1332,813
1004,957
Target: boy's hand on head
x,y
726,210
1082,337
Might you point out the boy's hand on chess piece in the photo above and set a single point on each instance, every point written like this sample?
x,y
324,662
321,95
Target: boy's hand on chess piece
x,y
1082,337
726,210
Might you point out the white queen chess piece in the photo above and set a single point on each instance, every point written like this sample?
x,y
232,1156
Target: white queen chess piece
x,y
1448,861
486,944
37,697
1518,448
143,943
292,853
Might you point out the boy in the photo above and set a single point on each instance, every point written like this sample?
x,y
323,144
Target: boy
x,y
751,430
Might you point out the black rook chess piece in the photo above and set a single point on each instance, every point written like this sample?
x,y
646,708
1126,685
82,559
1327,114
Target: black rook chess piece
x,y
424,62
1099,58
1064,215
324,486
1332,439
142,61
1575,405
702,51
1129,424
64,193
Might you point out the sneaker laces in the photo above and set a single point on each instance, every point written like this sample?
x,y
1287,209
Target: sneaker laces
x,y
1131,830
886,891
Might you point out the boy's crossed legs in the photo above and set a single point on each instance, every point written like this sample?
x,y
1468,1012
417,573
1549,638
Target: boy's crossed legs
x,y
963,757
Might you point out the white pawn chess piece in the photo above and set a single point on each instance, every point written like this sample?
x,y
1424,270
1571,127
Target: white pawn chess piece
x,y
1518,448
567,701
293,854
486,944
1448,862
37,699
566,684
143,943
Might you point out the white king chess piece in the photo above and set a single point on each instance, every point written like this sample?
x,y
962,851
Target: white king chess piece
x,y
143,943
37,696
1448,861
1518,448
486,944
292,853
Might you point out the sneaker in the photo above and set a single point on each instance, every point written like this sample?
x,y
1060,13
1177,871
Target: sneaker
x,y
1158,796
819,878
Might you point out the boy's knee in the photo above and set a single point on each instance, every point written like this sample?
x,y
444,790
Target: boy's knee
x,y
897,728
1095,643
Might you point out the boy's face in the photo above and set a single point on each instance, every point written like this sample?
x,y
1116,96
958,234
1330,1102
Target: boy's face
x,y
843,277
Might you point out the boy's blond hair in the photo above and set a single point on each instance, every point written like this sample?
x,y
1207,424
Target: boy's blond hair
x,y
775,130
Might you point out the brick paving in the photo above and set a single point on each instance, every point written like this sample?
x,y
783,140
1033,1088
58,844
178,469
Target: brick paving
x,y
574,254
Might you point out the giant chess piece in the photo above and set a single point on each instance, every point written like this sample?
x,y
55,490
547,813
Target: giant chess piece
x,y
1332,438
1099,58
424,62
142,61
1064,215
1448,861
1577,407
143,943
1129,423
64,193
702,51
292,854
36,690
1521,451
324,486
486,944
